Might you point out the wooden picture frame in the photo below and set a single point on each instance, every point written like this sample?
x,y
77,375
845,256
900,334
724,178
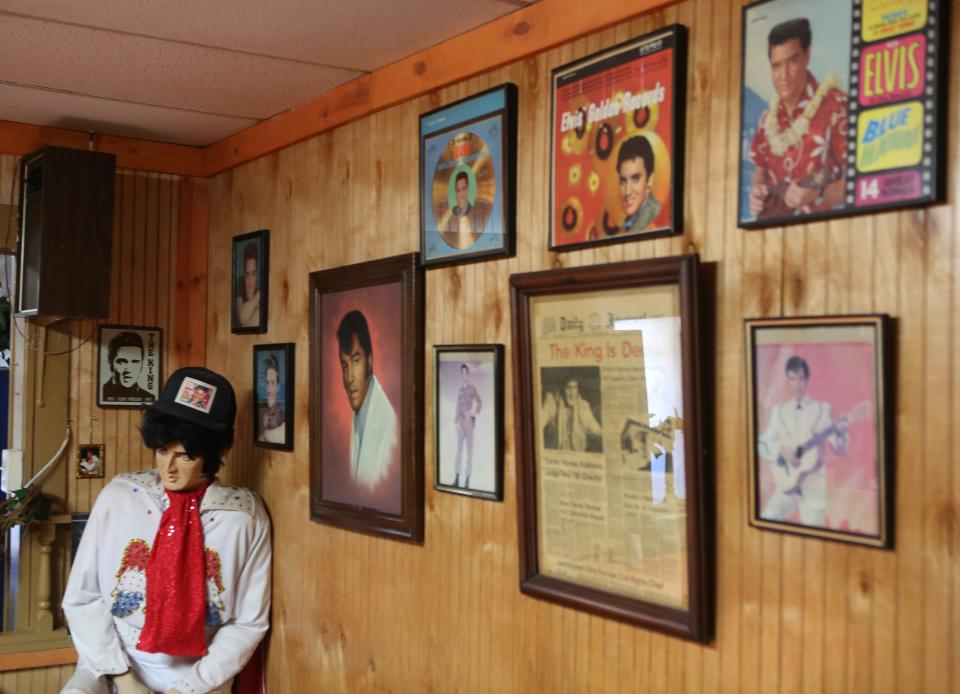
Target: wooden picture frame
x,y
274,378
91,461
619,115
867,128
468,178
250,289
819,398
612,490
129,365
468,420
368,478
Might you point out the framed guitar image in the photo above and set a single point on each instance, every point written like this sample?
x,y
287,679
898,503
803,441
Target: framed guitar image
x,y
819,394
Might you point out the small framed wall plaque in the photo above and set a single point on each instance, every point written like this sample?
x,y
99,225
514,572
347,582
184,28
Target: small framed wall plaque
x,y
130,365
468,166
251,282
819,394
842,108
617,129
90,461
468,419
610,457
274,376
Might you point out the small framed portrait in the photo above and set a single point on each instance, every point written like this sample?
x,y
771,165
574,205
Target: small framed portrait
x,y
617,131
468,419
195,394
819,394
273,404
468,166
366,397
842,108
611,489
251,280
129,367
90,461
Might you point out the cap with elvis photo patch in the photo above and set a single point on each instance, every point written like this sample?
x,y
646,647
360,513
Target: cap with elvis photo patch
x,y
199,396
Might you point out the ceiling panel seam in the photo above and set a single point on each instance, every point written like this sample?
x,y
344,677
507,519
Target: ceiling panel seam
x,y
43,88
181,42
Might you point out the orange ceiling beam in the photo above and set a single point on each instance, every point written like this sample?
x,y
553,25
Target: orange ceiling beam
x,y
142,155
523,33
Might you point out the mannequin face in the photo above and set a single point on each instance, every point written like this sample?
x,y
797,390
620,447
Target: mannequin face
x,y
179,471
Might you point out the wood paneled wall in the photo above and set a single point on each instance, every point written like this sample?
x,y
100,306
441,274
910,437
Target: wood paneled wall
x,y
142,292
47,680
357,614
142,288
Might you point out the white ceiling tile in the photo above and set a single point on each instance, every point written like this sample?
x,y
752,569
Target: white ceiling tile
x,y
156,123
194,72
359,34
151,71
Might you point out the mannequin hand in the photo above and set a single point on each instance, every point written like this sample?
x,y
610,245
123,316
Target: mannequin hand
x,y
127,683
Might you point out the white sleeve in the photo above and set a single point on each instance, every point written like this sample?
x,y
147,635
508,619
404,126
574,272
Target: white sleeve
x,y
88,614
235,641
771,441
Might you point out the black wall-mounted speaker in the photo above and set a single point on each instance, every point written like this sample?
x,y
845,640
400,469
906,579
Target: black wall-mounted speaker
x,y
66,233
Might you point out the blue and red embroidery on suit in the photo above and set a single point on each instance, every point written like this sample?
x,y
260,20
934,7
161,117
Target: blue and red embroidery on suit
x,y
130,593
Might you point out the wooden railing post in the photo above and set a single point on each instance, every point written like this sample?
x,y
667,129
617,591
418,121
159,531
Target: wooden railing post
x,y
46,534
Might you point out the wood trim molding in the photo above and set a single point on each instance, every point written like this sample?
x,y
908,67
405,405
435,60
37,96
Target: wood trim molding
x,y
142,155
518,35
37,659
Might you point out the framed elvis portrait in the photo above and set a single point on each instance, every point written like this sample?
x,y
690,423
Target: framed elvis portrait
x,y
468,419
129,365
819,394
616,144
90,461
366,397
468,166
842,108
611,488
273,404
251,263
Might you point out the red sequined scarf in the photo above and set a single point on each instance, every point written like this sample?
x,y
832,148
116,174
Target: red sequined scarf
x,y
176,595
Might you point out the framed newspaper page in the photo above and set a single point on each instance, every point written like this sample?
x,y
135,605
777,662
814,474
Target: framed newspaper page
x,y
611,489
366,397
468,169
616,143
820,398
843,108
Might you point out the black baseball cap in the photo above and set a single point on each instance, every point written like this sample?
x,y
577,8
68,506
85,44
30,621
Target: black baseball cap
x,y
199,396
